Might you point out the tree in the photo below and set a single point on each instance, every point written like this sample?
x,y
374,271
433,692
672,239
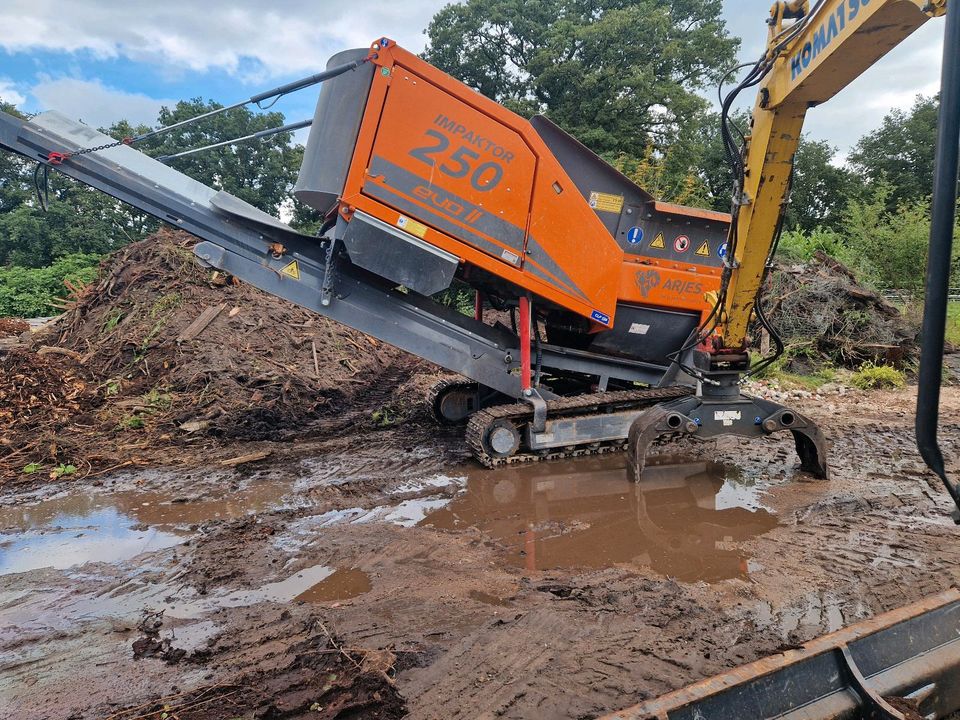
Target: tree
x,y
82,220
261,172
821,190
901,152
620,75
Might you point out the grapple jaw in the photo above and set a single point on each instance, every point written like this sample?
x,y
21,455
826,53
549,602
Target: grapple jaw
x,y
743,415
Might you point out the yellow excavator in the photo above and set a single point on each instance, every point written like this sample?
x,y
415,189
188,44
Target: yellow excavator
x,y
813,52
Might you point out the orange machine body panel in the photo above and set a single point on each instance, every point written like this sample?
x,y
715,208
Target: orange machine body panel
x,y
479,182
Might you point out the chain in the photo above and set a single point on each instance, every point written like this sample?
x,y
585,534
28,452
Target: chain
x,y
57,158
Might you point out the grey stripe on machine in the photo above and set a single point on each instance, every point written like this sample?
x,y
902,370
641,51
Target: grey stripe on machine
x,y
405,182
385,194
536,254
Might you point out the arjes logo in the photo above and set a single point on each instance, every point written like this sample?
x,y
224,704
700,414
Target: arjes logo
x,y
647,281
446,204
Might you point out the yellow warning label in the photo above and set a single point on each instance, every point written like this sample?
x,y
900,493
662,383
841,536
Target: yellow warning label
x,y
605,202
658,242
704,250
412,226
292,270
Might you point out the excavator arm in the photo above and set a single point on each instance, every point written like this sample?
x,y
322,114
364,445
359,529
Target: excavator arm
x,y
814,50
808,61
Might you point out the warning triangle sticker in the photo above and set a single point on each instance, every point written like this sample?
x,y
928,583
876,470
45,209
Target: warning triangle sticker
x,y
292,270
658,242
704,250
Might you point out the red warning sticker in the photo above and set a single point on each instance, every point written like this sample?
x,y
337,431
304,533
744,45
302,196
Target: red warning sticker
x,y
681,244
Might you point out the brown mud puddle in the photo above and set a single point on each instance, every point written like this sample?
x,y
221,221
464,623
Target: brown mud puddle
x,y
76,528
684,519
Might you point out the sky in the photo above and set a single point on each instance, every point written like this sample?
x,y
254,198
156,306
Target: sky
x,y
102,60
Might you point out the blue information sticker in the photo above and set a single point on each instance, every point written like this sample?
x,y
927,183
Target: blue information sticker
x,y
722,251
635,235
600,317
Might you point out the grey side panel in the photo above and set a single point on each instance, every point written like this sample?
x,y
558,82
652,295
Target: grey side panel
x,y
398,256
333,135
588,172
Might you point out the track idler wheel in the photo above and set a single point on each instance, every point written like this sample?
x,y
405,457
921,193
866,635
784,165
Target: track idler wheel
x,y
501,439
454,401
708,418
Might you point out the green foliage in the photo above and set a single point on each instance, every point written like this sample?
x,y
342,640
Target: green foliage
x,y
132,422
32,468
821,190
28,292
901,152
458,296
888,248
800,246
875,377
620,75
62,470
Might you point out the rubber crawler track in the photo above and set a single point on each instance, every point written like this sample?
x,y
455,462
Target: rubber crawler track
x,y
585,405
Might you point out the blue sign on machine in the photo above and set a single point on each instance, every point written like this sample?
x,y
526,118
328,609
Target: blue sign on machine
x,y
635,235
722,251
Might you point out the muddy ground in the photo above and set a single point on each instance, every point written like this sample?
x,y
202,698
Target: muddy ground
x,y
379,572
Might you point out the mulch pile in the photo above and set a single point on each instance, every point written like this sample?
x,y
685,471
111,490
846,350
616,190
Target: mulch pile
x,y
162,353
825,316
13,326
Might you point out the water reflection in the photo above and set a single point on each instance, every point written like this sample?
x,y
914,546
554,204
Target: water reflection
x,y
77,528
683,519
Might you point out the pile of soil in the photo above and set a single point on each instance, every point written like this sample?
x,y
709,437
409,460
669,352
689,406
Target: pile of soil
x,y
824,315
161,352
13,326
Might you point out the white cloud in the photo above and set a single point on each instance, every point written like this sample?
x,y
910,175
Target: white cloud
x,y
9,92
96,104
283,37
912,68
256,41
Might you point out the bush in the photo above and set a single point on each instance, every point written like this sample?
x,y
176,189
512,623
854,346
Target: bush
x,y
876,377
28,292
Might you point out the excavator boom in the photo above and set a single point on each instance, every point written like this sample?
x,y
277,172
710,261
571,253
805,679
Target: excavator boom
x,y
813,52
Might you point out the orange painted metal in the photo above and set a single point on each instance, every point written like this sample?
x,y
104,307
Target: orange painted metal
x,y
482,185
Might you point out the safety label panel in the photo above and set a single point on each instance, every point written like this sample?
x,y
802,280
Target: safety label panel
x,y
605,202
292,270
658,242
681,244
412,226
635,235
704,249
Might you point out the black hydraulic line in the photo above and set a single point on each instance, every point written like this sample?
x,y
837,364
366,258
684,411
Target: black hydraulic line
x,y
275,92
943,214
253,136
57,158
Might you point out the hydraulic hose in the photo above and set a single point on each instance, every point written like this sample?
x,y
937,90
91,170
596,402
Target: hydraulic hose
x,y
943,216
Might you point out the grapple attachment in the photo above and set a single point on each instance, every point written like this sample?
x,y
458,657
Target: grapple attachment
x,y
719,408
746,416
